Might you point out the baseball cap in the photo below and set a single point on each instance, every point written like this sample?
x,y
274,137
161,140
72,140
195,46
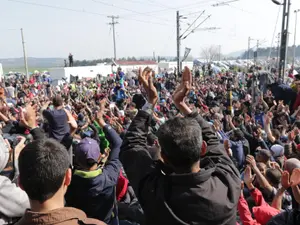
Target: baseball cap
x,y
87,152
277,150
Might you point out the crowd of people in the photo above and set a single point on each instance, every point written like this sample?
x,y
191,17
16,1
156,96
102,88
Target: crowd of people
x,y
220,149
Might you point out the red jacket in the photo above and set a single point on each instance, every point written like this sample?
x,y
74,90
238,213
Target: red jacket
x,y
263,212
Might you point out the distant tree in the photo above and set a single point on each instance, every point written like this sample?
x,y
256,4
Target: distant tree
x,y
210,53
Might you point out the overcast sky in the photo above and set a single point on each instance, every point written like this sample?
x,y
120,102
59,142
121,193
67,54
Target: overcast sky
x,y
144,26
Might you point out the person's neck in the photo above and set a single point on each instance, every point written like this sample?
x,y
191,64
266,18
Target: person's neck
x,y
59,107
194,169
56,202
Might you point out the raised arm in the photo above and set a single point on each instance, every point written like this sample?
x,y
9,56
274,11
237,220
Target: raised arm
x,y
113,166
261,178
134,155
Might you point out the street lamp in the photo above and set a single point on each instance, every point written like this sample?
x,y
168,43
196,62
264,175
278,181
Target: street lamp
x,y
295,34
284,36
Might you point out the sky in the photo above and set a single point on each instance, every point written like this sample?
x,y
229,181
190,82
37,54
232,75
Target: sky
x,y
54,28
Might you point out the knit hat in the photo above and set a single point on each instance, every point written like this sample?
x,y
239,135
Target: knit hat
x,y
4,154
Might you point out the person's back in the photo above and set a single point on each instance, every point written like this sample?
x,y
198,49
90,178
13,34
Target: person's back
x,y
58,123
57,119
180,188
45,175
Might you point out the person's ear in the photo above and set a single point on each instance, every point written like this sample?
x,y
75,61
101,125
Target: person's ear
x,y
203,148
68,177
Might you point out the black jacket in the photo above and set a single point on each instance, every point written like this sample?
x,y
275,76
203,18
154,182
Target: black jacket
x,y
208,197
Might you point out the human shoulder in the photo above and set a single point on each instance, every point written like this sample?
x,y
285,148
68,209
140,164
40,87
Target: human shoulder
x,y
89,221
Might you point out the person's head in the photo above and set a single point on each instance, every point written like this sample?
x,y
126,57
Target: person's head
x,y
44,171
180,140
273,176
58,101
132,105
87,154
263,156
262,168
237,121
236,104
276,133
238,135
291,164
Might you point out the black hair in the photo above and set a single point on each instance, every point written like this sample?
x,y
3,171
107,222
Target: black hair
x,y
181,141
238,134
43,165
237,119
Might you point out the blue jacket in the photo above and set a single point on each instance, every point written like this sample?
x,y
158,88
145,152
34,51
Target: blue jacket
x,y
94,191
237,148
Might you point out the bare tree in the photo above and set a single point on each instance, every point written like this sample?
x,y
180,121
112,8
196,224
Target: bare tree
x,y
210,53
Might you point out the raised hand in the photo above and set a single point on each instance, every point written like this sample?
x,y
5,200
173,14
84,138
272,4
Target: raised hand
x,y
28,117
182,91
285,180
146,79
248,177
251,161
295,177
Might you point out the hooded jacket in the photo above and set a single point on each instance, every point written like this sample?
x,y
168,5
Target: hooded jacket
x,y
62,216
204,198
94,191
13,200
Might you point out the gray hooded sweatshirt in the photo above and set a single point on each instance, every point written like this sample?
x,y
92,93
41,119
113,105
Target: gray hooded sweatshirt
x,y
13,200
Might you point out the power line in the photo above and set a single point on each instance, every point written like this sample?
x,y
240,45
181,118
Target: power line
x,y
58,7
163,5
129,10
224,3
177,7
192,23
274,33
81,11
196,27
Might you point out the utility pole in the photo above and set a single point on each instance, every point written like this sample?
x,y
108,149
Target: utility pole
x,y
248,54
257,46
24,53
284,38
113,23
278,50
219,52
178,42
295,34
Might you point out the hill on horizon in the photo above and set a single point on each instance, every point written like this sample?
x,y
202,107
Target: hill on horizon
x,y
33,62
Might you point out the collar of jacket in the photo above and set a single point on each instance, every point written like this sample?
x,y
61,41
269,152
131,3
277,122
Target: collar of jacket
x,y
53,217
208,167
88,174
